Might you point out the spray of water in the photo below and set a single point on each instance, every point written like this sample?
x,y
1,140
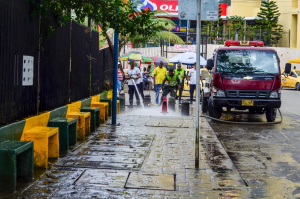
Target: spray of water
x,y
154,111
138,93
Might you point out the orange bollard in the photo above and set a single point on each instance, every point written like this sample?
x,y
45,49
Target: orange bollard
x,y
164,105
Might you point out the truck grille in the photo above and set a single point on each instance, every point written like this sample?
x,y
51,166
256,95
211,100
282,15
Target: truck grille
x,y
263,94
247,94
231,94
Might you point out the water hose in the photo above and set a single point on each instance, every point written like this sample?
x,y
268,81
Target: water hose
x,y
249,123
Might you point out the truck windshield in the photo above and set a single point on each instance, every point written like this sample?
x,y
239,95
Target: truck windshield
x,y
247,61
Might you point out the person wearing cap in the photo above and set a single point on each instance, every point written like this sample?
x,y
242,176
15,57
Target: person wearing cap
x,y
170,84
120,76
180,72
192,78
159,73
133,75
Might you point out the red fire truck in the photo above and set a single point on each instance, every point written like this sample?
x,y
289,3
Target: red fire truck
x,y
245,75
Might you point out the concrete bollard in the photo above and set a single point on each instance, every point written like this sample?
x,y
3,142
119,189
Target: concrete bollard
x,y
147,100
171,103
185,108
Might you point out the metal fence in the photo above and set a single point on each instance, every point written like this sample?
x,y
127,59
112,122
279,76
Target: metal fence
x,y
54,65
80,62
97,83
19,35
65,70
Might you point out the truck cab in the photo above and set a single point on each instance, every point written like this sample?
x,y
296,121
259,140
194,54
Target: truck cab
x,y
245,75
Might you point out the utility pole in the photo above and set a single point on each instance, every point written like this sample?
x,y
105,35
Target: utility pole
x,y
197,140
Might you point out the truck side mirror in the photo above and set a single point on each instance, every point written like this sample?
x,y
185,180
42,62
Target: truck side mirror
x,y
209,64
288,68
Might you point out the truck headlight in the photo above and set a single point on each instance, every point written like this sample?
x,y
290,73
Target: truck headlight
x,y
218,92
275,94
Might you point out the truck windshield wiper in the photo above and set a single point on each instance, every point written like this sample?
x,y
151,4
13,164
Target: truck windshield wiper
x,y
236,73
263,73
269,74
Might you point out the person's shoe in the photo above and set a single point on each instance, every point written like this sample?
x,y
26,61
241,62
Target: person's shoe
x,y
138,106
191,102
130,106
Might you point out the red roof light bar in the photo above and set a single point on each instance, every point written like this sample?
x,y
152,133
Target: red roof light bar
x,y
244,43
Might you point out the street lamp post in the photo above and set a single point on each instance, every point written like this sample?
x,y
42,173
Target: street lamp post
x,y
198,83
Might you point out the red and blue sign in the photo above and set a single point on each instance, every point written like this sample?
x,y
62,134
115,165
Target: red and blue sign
x,y
165,5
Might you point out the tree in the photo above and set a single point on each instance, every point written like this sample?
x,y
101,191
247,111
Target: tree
x,y
214,29
120,15
236,22
156,37
268,22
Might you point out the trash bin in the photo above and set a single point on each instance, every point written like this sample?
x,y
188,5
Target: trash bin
x,y
171,103
185,108
122,102
147,100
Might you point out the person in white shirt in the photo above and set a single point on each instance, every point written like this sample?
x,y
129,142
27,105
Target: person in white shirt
x,y
133,74
192,77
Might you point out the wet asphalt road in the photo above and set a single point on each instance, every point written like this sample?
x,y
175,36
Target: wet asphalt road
x,y
266,156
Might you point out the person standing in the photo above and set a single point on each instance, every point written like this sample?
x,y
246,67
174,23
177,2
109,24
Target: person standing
x,y
192,78
160,73
133,75
180,72
170,83
120,77
141,84
146,79
150,79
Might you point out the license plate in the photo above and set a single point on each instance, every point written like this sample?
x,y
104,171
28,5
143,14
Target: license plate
x,y
247,103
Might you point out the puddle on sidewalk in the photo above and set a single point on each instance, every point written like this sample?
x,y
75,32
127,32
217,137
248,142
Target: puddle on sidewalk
x,y
151,181
224,176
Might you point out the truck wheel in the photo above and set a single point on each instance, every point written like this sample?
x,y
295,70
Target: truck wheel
x,y
214,111
204,105
298,87
271,114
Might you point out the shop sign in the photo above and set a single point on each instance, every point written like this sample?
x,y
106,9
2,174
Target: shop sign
x,y
170,6
184,47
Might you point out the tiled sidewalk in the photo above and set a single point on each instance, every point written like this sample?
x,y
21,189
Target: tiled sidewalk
x,y
144,157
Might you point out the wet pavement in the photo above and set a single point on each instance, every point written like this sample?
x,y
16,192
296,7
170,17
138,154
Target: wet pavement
x,y
266,156
148,155
151,155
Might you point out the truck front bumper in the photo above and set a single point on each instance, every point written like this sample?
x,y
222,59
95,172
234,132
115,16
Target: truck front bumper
x,y
237,103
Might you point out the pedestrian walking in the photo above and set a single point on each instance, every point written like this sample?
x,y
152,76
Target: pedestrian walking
x,y
192,78
160,73
180,72
133,75
170,84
